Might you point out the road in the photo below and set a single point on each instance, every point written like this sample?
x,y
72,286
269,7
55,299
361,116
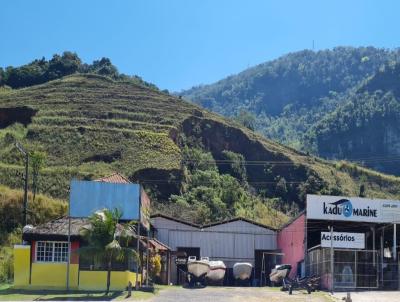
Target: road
x,y
235,294
371,296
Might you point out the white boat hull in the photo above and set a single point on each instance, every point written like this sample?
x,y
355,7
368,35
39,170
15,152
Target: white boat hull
x,y
242,271
217,271
198,268
278,275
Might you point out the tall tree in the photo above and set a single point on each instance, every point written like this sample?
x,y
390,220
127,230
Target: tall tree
x,y
108,240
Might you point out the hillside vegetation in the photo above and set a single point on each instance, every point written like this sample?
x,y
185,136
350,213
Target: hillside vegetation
x,y
195,164
41,210
42,70
303,98
366,126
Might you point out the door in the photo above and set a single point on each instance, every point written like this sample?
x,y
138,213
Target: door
x,y
265,261
182,268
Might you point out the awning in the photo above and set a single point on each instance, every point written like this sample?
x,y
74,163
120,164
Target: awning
x,y
157,245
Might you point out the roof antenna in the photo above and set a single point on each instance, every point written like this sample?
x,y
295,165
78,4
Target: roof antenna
x,y
313,45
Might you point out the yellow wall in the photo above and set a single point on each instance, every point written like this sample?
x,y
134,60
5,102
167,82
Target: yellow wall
x,y
22,261
97,280
54,274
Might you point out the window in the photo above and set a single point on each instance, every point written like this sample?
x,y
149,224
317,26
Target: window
x,y
51,251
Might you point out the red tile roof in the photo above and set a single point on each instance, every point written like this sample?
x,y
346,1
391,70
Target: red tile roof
x,y
158,245
114,178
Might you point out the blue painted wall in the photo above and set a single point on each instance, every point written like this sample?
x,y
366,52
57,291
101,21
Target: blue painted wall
x,y
87,197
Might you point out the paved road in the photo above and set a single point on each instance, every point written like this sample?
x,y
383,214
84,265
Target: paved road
x,y
237,294
372,296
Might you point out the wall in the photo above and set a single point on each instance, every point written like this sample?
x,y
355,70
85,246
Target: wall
x,y
54,275
47,275
22,263
42,274
97,280
230,242
291,242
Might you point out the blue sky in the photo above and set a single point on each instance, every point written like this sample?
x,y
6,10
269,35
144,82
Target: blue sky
x,y
180,43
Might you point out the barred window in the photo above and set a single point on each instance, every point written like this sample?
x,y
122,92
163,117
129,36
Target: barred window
x,y
51,251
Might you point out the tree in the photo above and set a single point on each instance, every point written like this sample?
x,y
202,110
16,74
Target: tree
x,y
246,119
66,64
235,165
107,240
155,265
2,77
104,67
281,187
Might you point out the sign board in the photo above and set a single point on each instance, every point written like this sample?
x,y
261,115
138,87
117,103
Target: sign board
x,y
181,261
144,209
343,240
87,197
353,209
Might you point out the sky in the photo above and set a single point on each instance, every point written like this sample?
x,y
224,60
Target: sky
x,y
177,44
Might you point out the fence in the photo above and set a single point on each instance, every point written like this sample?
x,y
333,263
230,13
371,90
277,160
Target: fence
x,y
352,268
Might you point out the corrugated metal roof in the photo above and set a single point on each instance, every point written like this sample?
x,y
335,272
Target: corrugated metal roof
x,y
175,219
239,219
114,178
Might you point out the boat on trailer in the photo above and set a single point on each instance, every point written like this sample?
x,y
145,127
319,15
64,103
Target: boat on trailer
x,y
280,272
217,271
242,270
198,268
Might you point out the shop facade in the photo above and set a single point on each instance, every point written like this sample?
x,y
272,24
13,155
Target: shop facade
x,y
350,242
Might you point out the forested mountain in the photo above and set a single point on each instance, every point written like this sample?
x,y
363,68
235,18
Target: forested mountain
x,y
195,164
291,99
366,127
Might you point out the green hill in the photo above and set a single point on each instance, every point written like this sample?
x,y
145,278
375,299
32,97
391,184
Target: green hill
x,y
195,164
366,126
291,100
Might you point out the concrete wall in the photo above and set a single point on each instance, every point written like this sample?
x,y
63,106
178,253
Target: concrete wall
x,y
46,275
97,280
291,241
22,264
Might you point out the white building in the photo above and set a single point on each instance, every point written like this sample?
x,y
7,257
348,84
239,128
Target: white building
x,y
235,240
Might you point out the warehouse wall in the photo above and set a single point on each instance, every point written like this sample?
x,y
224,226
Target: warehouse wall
x,y
230,242
291,242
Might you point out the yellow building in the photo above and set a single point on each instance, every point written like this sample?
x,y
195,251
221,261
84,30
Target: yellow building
x,y
42,262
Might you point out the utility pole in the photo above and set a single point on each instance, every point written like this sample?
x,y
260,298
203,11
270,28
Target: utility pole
x,y
26,155
332,259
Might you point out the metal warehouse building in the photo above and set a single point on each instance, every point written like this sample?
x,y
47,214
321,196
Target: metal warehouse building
x,y
235,240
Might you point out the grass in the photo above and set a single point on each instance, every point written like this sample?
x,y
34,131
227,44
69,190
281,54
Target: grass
x,y
7,293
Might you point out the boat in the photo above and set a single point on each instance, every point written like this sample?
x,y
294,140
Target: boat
x,y
198,268
280,272
242,270
217,271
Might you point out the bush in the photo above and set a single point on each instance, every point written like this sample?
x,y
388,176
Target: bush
x,y
41,210
6,265
7,255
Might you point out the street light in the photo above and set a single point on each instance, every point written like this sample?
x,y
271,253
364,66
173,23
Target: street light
x,y
26,155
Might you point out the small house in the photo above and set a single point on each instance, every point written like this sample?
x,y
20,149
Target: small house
x,y
43,261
